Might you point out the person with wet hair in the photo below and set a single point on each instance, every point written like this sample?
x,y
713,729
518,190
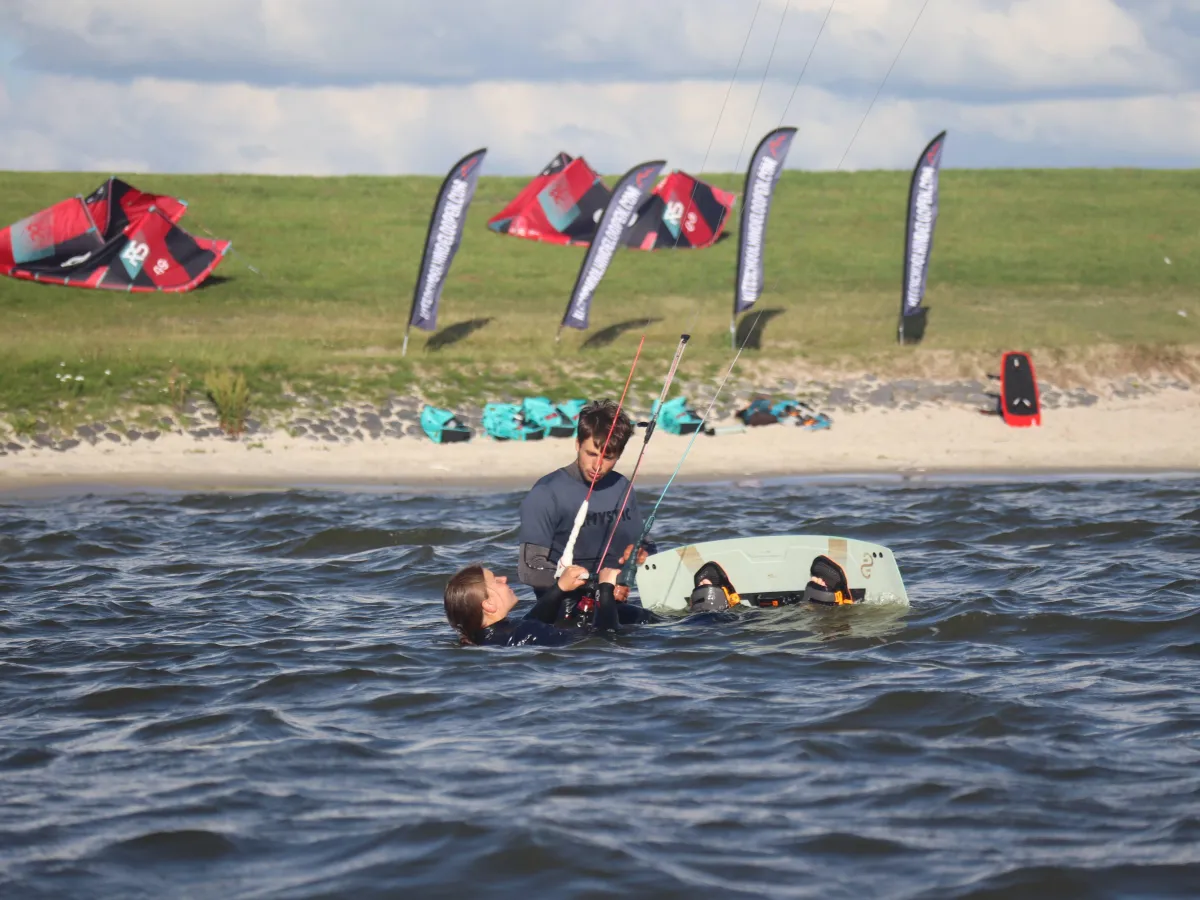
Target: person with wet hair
x,y
548,510
478,602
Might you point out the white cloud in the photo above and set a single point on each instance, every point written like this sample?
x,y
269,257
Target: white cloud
x,y
993,45
1036,45
372,86
156,125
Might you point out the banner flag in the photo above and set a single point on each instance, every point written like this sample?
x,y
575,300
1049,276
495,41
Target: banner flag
x,y
918,240
610,234
445,234
761,177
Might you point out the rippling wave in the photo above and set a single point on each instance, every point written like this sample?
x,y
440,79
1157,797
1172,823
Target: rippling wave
x,y
256,694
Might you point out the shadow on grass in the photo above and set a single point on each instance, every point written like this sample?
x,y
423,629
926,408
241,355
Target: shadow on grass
x,y
212,281
452,334
723,236
750,328
606,336
913,325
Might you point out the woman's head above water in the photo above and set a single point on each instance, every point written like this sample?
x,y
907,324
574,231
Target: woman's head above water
x,y
477,597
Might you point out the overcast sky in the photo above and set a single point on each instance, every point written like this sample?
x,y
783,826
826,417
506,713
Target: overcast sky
x,y
399,86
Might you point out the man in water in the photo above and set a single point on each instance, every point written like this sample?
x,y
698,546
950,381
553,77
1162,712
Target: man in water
x,y
549,509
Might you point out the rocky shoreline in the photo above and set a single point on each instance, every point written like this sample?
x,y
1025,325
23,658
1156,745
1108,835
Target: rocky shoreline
x,y
399,416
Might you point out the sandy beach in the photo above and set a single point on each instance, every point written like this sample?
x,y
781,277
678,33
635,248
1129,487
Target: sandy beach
x,y
1154,432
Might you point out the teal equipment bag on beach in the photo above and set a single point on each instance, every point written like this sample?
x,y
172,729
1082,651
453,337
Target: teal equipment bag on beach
x,y
506,422
801,414
758,413
541,411
677,417
571,410
442,426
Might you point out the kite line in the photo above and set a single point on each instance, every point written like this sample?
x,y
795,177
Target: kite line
x,y
568,554
662,398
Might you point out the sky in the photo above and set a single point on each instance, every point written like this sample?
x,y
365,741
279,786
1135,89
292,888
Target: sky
x,y
408,86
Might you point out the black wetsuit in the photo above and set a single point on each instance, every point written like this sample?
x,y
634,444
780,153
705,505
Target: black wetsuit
x,y
548,514
537,627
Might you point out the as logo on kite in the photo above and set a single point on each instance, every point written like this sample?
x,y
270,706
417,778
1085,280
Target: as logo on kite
x,y
134,256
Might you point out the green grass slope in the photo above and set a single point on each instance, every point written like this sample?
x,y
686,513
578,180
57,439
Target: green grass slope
x,y
1057,260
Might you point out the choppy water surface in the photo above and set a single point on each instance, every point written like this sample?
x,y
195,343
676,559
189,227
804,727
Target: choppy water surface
x,y
256,695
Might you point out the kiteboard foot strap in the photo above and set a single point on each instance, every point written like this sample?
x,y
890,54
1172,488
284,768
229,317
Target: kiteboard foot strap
x,y
714,591
829,585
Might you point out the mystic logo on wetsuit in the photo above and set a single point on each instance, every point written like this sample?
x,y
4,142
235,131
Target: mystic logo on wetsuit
x,y
548,511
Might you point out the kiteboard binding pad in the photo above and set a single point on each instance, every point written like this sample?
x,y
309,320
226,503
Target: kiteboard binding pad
x,y
771,571
830,585
551,418
713,591
442,426
676,417
1020,404
506,422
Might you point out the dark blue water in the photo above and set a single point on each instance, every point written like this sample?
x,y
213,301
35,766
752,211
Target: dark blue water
x,y
256,695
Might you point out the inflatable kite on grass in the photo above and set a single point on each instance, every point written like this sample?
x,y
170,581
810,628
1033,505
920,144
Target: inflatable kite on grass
x,y
564,202
118,238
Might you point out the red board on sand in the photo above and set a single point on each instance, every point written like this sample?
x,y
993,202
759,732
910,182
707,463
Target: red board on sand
x,y
1020,404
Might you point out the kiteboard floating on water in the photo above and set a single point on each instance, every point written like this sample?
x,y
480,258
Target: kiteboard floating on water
x,y
1020,405
770,571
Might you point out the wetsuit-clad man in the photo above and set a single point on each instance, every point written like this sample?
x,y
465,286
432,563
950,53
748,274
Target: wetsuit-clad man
x,y
549,509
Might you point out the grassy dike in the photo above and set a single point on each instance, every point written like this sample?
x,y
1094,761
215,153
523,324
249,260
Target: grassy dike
x,y
1069,264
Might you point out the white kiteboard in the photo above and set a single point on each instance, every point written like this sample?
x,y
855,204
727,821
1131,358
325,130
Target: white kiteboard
x,y
769,566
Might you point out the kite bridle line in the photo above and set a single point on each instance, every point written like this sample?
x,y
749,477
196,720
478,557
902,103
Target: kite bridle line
x,y
630,565
655,412
766,72
717,127
878,90
807,60
568,555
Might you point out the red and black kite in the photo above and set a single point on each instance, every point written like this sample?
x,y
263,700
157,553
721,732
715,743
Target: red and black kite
x,y
117,238
562,204
682,212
